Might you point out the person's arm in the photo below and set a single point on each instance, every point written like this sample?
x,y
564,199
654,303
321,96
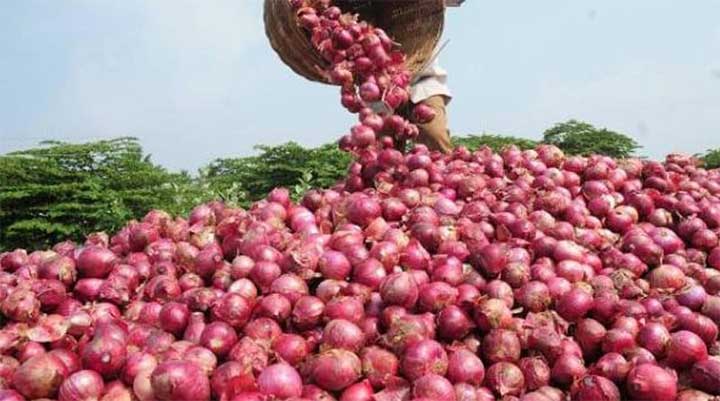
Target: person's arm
x,y
453,3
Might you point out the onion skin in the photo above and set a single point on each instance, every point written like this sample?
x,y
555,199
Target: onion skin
x,y
180,381
705,375
535,371
651,382
465,367
40,376
83,385
336,369
379,365
105,356
424,357
595,388
505,378
685,349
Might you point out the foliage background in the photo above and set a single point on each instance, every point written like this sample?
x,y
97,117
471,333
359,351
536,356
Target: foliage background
x,y
61,191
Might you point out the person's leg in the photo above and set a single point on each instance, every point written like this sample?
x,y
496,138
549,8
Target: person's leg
x,y
435,134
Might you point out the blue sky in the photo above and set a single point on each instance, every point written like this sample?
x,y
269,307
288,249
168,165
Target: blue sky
x,y
196,80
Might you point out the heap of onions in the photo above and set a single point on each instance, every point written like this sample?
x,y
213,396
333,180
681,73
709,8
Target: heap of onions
x,y
518,275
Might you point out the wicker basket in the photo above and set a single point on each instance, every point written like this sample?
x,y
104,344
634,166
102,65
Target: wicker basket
x,y
416,24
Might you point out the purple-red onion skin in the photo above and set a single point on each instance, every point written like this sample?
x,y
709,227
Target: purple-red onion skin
x,y
40,376
180,381
83,385
705,375
651,382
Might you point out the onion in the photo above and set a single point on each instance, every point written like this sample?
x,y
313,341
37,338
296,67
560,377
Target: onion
x,y
81,386
378,365
361,391
501,345
685,348
433,387
424,357
399,289
613,366
574,304
39,376
218,337
105,355
505,378
453,323
336,369
180,380
69,358
232,309
174,317
535,371
705,375
567,368
307,312
595,388
465,367
95,262
589,334
230,379
340,333
651,382
290,348
654,337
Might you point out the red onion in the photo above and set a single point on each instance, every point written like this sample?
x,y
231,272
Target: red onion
x,y
535,371
230,379
69,358
654,337
218,337
491,314
180,380
433,387
95,262
613,366
574,304
343,334
105,355
505,378
307,312
651,382
378,365
232,309
174,317
453,323
501,345
595,388
336,369
567,368
423,357
399,289
83,385
685,348
465,367
361,391
705,375
40,376
290,348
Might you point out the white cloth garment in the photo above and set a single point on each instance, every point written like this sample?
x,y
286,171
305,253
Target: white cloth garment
x,y
432,82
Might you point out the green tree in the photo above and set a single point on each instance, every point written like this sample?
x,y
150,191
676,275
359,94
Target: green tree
x,y
64,191
288,165
711,158
580,138
495,142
